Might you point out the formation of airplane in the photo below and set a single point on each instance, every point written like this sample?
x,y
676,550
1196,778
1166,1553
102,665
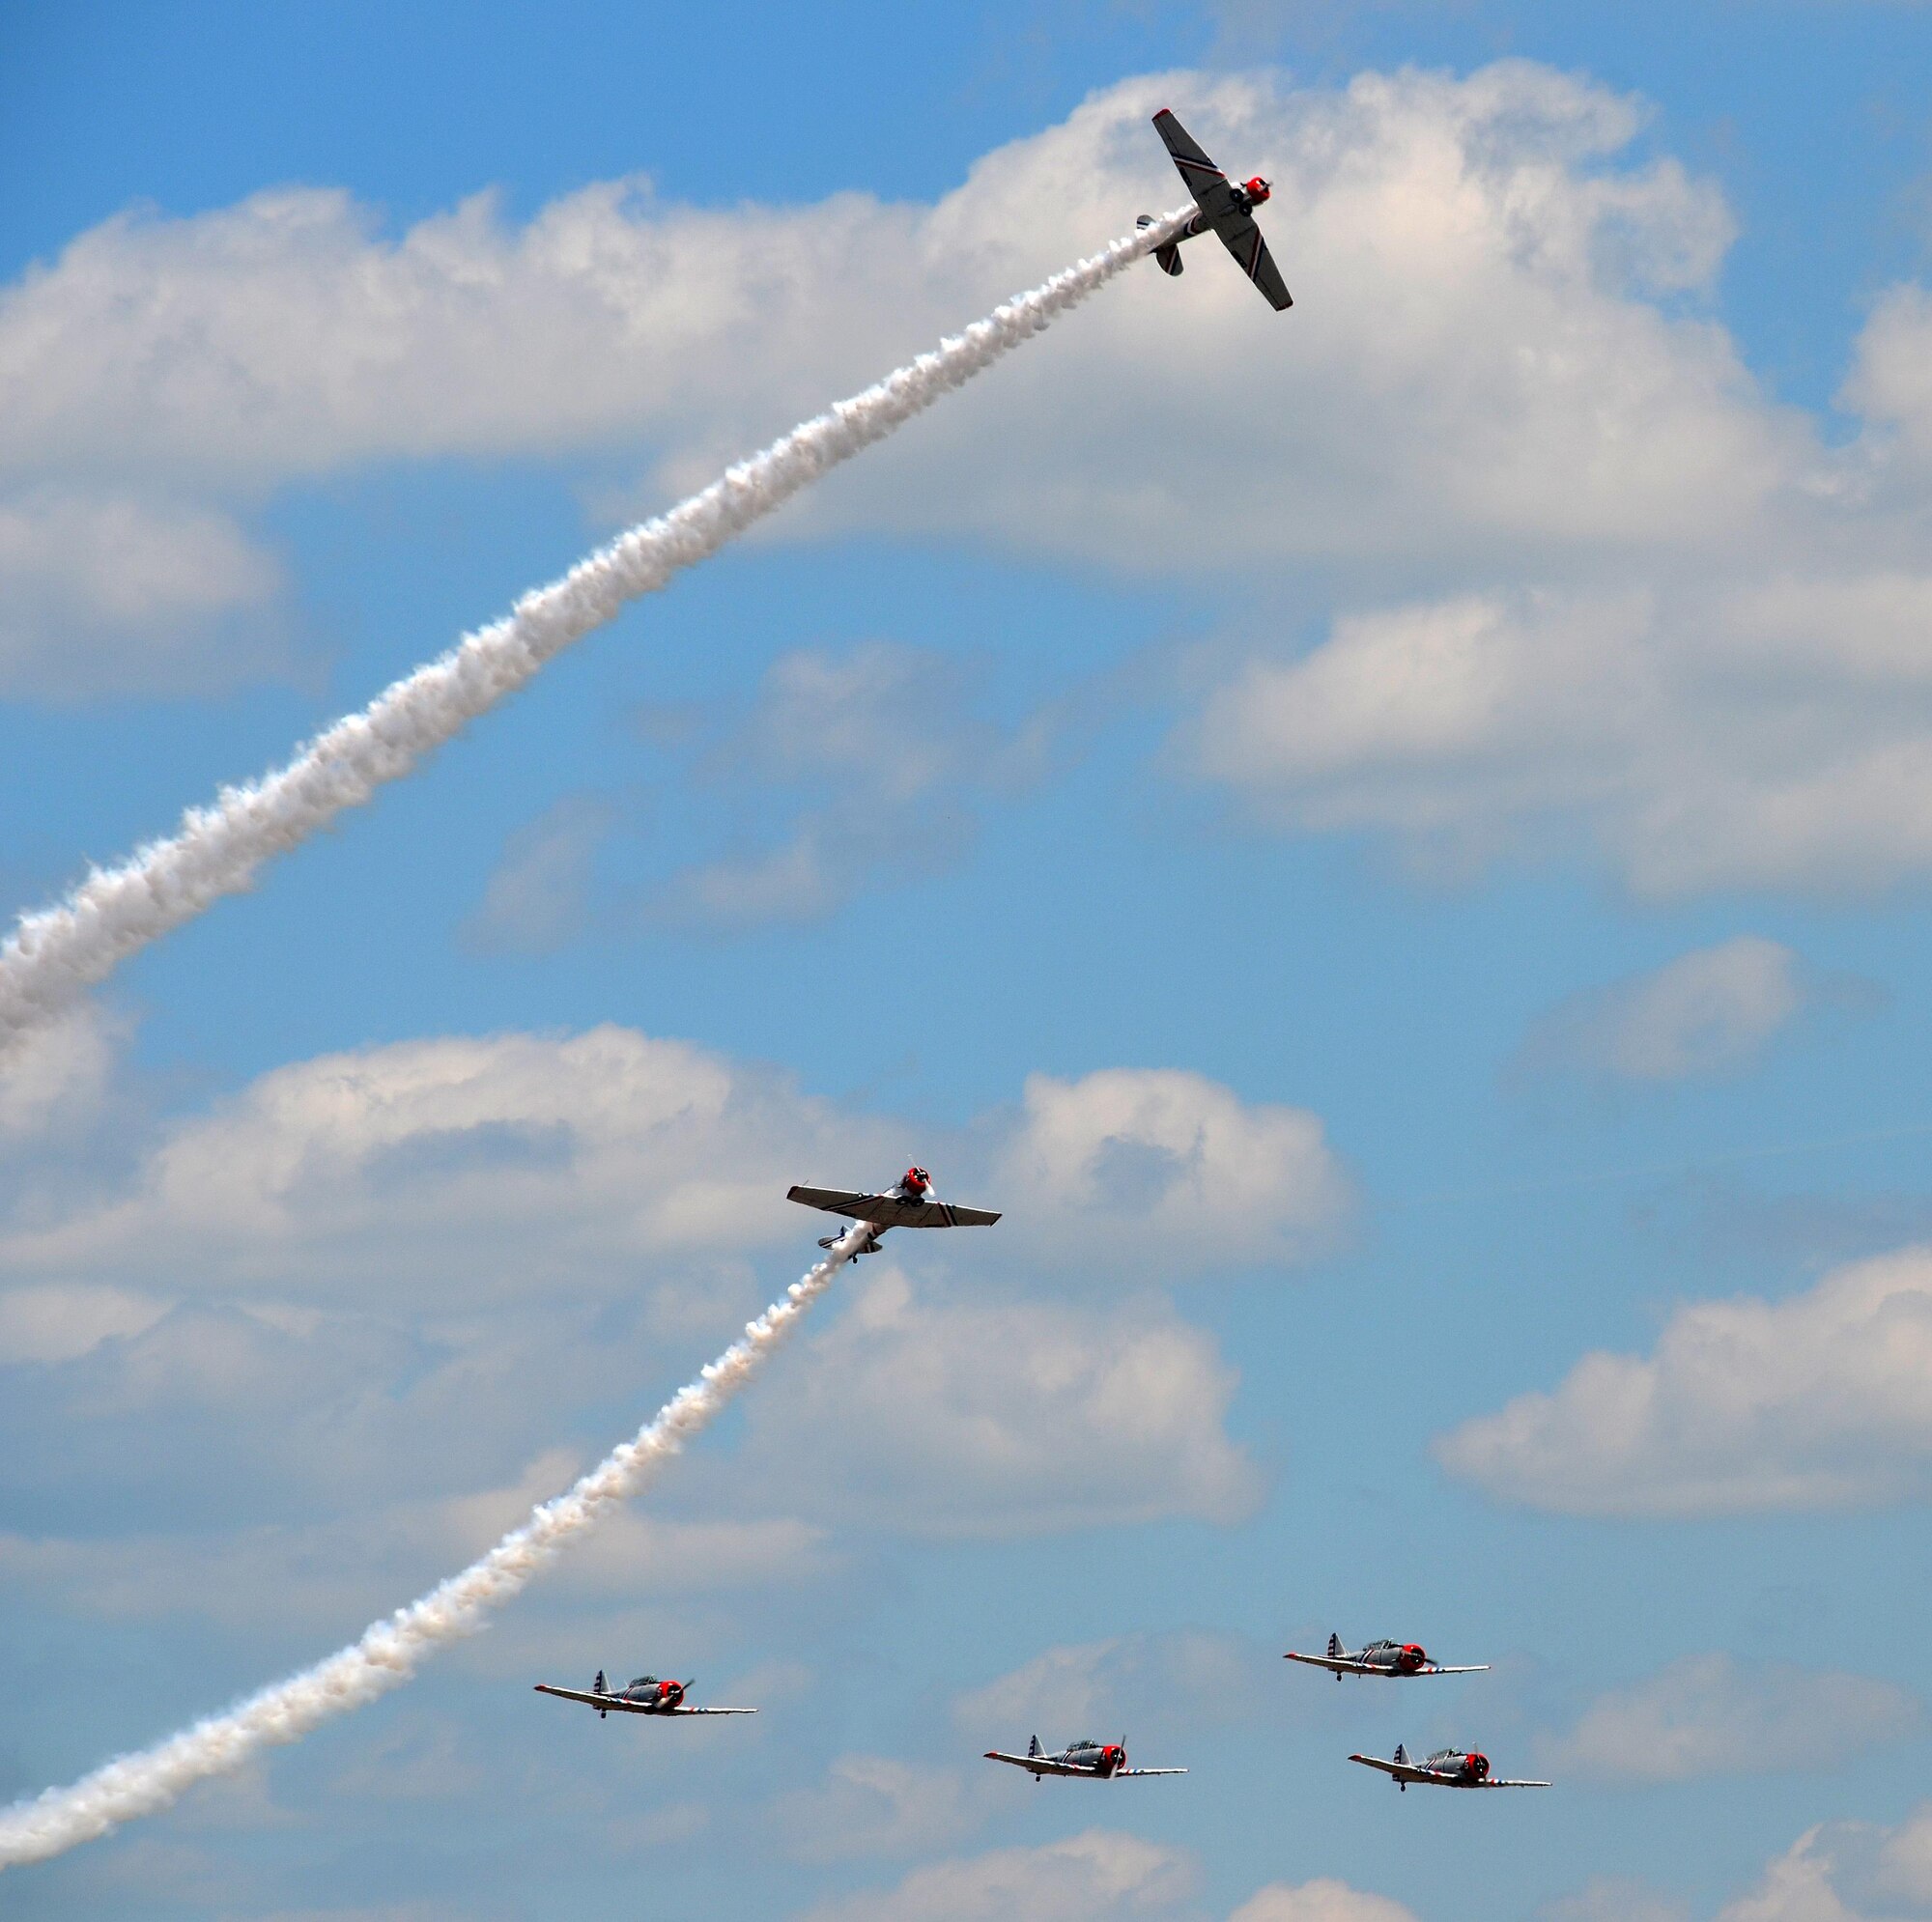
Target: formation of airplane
x,y
1097,1762
910,1203
1446,1769
646,1695
1394,1660
1221,208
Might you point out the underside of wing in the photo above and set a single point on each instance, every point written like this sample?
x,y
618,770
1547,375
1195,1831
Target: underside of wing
x,y
1401,1771
1035,1765
710,1712
1333,1663
1204,181
1243,239
838,1201
595,1699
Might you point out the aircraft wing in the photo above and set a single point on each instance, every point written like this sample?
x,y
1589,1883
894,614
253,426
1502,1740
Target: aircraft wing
x,y
1437,1668
1504,1782
1204,181
681,1710
889,1211
1243,239
1401,1771
613,1703
1340,1665
1038,1765
1119,1772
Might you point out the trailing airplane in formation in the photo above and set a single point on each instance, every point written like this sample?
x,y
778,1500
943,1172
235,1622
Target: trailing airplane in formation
x,y
1097,1762
646,1695
1390,1658
909,1203
1446,1769
1220,207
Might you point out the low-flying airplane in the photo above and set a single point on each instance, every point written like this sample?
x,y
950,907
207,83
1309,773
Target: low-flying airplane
x,y
1447,1768
644,1696
1390,1658
1098,1761
907,1203
1220,206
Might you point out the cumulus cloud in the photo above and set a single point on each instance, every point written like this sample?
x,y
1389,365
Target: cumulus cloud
x,y
1189,1677
1321,1901
1819,1402
1614,1899
1705,1013
1713,1715
1131,1164
1846,1872
961,1415
112,593
1099,1873
516,1165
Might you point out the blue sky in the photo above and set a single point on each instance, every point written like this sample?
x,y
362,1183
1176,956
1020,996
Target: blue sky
x,y
1392,841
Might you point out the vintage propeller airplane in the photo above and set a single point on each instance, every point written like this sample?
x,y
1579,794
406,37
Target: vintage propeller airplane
x,y
646,1695
908,1203
1446,1769
1221,208
1390,1658
1097,1762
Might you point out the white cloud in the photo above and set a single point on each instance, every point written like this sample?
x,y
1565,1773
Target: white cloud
x,y
537,898
1098,1873
1713,1715
875,1806
1614,1899
56,1324
1890,380
1134,1165
56,1079
1321,1901
520,1165
1186,1679
1823,1401
111,593
967,1416
1708,1012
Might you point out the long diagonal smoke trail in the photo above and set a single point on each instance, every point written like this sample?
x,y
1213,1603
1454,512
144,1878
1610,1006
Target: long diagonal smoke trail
x,y
388,1651
52,955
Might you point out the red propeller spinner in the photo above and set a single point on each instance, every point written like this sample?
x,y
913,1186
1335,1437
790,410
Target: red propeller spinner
x,y
1256,189
1477,1765
1415,1657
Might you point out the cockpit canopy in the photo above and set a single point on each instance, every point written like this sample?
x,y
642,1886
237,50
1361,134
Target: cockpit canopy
x,y
644,1682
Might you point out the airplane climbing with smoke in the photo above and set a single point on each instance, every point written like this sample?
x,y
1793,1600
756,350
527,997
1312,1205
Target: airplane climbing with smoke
x,y
1395,1659
1446,1769
1093,1760
1220,206
644,1695
909,1203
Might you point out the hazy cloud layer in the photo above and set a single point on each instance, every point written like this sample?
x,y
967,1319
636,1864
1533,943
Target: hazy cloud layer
x,y
961,1415
1714,1715
1708,1012
1098,1873
1846,1872
1323,1901
1822,1400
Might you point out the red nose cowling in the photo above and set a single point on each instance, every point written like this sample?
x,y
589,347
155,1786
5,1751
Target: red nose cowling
x,y
918,1177
1115,1754
1415,1657
1479,1765
1257,191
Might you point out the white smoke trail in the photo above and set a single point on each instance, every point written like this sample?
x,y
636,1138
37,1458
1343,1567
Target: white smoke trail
x,y
57,951
388,1651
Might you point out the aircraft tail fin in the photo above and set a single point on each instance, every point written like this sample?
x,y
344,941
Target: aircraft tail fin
x,y
1335,1648
598,1687
1032,1745
1401,1755
1169,256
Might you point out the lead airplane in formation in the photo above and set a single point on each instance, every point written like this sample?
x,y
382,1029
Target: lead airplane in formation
x,y
1220,207
1093,1760
1446,1769
1395,1659
909,1203
646,1695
